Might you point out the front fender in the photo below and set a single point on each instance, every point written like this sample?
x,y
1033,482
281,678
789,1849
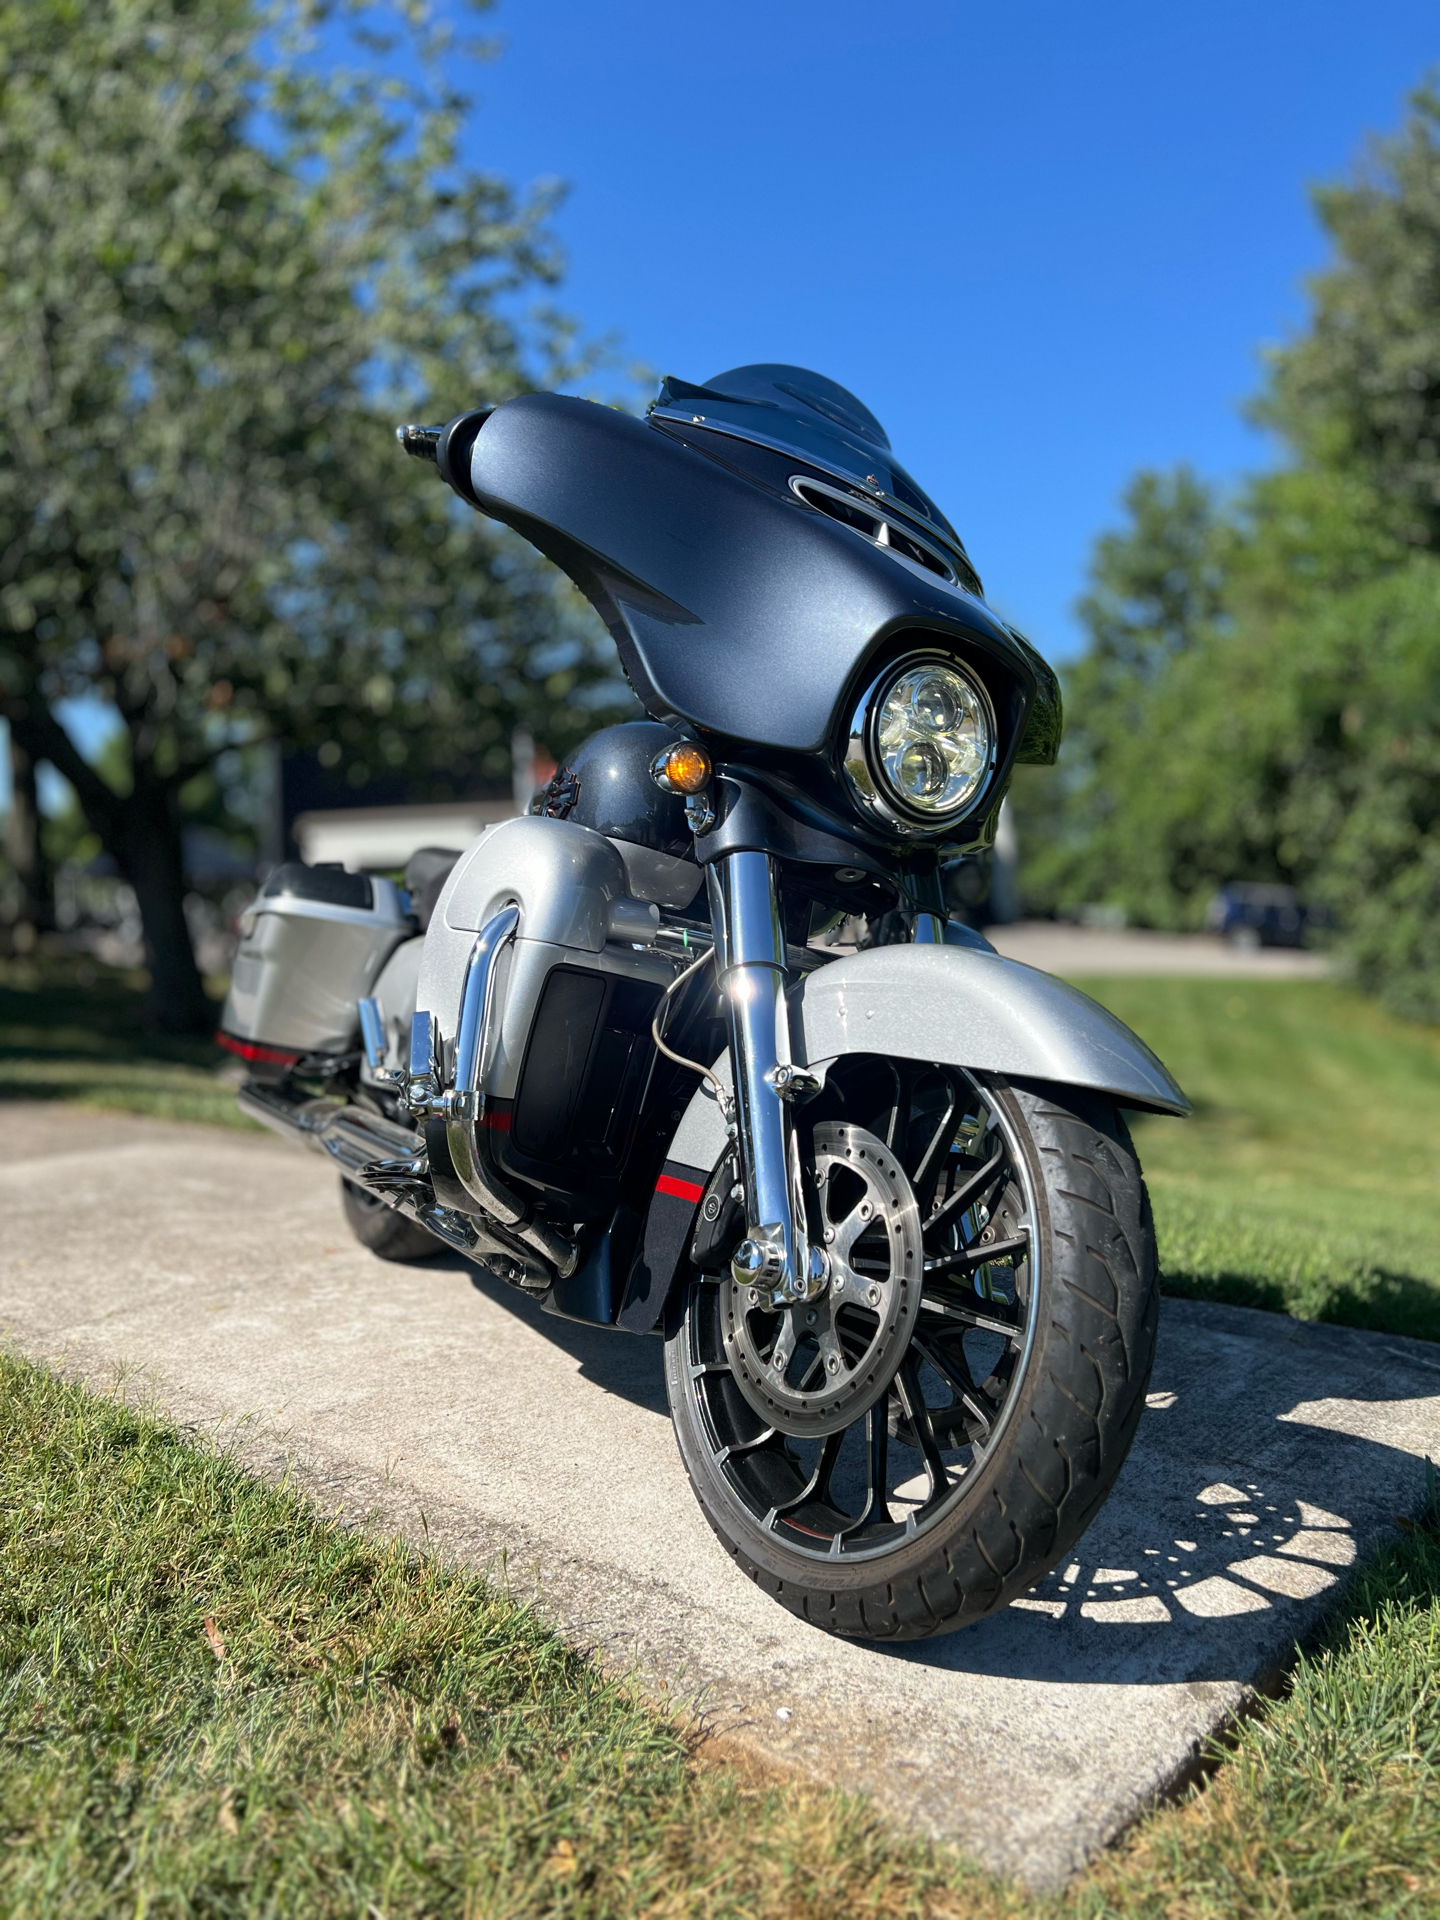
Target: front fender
x,y
958,1006
964,1007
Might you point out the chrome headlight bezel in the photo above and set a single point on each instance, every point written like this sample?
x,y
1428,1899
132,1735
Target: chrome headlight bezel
x,y
864,768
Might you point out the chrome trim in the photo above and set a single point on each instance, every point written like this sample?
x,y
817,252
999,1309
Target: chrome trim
x,y
422,1089
868,785
684,417
863,503
375,1043
699,813
463,1106
372,1032
750,970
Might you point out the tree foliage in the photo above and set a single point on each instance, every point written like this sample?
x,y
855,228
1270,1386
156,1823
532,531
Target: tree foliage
x,y
227,267
1260,696
1359,393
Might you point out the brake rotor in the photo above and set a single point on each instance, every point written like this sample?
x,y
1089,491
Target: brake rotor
x,y
816,1367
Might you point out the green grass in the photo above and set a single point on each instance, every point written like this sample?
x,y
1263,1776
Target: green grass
x,y
73,1030
214,1703
1308,1179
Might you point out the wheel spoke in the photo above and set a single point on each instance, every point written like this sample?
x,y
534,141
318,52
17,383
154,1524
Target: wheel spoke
x,y
966,1259
939,1143
970,1189
817,1487
963,1388
950,1310
877,1458
738,1447
907,1383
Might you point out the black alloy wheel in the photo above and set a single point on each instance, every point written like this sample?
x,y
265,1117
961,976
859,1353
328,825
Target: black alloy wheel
x,y
915,1449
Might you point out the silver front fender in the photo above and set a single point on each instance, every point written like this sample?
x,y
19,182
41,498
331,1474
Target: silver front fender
x,y
966,1008
961,1007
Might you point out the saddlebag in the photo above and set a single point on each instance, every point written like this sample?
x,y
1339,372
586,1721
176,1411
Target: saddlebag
x,y
311,946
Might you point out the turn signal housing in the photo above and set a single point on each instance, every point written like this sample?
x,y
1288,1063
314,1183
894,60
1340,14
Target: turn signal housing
x,y
684,768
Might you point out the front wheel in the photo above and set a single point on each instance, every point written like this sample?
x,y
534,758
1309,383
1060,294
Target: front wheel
x,y
993,1327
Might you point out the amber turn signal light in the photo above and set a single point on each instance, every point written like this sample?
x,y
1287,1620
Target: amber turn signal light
x,y
683,768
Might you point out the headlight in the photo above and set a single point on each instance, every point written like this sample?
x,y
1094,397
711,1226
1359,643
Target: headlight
x,y
922,744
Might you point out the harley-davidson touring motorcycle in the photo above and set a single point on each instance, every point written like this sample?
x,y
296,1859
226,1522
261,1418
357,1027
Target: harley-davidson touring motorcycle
x,y
693,1048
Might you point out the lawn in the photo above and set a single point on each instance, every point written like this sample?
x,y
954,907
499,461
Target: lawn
x,y
214,1702
1308,1178
73,1030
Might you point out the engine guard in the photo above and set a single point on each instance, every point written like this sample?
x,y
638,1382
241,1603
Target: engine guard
x,y
958,1006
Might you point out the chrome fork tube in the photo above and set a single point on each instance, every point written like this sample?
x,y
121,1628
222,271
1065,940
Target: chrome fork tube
x,y
776,1257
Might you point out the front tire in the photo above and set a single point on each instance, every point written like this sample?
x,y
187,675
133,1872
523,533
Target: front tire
x,y
984,1485
388,1234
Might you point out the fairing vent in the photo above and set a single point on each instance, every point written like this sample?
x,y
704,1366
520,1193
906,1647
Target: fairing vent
x,y
853,511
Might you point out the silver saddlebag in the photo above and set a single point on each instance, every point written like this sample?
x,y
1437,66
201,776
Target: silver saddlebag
x,y
311,946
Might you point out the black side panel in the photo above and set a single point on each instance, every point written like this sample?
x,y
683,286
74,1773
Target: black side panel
x,y
426,872
737,609
581,1084
554,1075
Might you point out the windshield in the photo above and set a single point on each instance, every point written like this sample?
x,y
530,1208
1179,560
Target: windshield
x,y
803,413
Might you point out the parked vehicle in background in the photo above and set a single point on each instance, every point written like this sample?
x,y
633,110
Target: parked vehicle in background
x,y
1257,913
882,1204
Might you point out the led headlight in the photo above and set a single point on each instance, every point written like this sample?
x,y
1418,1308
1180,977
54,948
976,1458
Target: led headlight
x,y
922,743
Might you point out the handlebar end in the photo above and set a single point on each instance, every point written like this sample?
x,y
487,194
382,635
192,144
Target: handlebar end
x,y
421,443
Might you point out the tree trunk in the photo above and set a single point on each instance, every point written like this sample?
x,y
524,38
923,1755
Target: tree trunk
x,y
153,865
35,907
141,832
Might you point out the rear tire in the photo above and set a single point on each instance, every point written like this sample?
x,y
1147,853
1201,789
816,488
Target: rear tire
x,y
388,1234
1064,1415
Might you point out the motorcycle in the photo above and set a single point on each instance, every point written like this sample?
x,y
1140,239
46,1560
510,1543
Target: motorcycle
x,y
695,1049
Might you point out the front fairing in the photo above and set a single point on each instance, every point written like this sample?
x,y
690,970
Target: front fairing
x,y
736,608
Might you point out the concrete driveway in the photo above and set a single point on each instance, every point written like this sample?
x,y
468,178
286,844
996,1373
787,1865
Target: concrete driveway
x,y
450,1409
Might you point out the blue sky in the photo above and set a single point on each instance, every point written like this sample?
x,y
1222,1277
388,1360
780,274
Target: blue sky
x,y
1045,243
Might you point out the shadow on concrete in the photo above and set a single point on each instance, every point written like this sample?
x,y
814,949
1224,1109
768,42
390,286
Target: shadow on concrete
x,y
1257,1480
1236,1518
626,1364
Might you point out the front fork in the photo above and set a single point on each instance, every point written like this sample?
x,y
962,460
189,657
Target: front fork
x,y
776,1257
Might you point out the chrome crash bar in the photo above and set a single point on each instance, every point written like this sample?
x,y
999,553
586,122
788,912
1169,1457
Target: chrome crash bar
x,y
462,1106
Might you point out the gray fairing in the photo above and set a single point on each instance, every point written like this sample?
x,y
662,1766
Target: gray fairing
x,y
960,1007
735,607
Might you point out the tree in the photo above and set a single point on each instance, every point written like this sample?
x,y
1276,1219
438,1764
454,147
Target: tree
x,y
1260,694
227,273
1155,595
31,907
1359,393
